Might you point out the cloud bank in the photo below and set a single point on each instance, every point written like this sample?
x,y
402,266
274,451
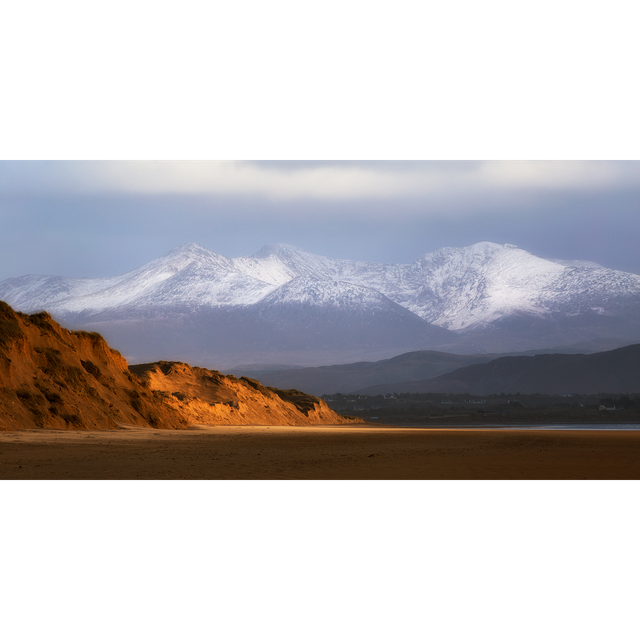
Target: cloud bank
x,y
314,180
103,218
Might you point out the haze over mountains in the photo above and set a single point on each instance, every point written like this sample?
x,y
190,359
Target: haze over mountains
x,y
284,305
616,371
351,378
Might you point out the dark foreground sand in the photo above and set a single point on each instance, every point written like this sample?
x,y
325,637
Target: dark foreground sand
x,y
319,453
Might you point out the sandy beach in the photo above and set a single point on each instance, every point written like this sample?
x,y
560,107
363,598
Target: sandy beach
x,y
319,453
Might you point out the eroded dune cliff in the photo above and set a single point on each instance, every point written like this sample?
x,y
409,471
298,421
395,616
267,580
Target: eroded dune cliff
x,y
208,397
54,378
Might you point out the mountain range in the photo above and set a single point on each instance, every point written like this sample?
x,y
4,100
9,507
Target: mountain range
x,y
289,306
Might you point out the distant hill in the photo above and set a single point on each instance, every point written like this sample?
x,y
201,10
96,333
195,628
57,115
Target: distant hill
x,y
392,375
616,371
346,378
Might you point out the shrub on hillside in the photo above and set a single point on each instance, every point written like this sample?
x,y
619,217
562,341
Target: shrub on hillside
x,y
91,368
73,419
53,363
42,320
34,402
75,377
9,326
94,336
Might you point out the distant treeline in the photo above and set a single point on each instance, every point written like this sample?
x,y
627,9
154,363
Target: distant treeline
x,y
467,397
425,408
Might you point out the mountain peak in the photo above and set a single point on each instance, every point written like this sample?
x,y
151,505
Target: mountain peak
x,y
491,246
189,254
485,244
477,253
189,249
277,249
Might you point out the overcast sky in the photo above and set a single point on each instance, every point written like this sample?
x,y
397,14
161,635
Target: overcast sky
x,y
104,218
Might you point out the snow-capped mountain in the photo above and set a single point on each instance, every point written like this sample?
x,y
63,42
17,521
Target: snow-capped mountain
x,y
188,276
466,289
340,314
486,296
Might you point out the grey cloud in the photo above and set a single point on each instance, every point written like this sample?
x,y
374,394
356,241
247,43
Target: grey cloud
x,y
100,235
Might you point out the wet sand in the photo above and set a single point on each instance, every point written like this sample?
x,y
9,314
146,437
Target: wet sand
x,y
319,453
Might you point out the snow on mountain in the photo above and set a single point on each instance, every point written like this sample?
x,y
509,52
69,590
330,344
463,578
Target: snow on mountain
x,y
475,285
329,315
189,276
33,293
463,288
328,293
277,264
467,290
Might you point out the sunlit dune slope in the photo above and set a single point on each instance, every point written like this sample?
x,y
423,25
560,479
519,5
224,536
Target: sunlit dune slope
x,y
54,378
208,397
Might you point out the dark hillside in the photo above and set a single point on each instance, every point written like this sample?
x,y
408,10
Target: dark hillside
x,y
616,371
345,378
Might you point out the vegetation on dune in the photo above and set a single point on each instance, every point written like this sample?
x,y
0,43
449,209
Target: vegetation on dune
x,y
91,368
10,330
42,320
73,419
62,374
94,336
53,362
35,403
97,340
52,396
254,384
302,401
140,403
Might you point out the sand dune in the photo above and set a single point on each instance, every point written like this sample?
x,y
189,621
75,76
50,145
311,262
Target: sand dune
x,y
53,378
207,397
